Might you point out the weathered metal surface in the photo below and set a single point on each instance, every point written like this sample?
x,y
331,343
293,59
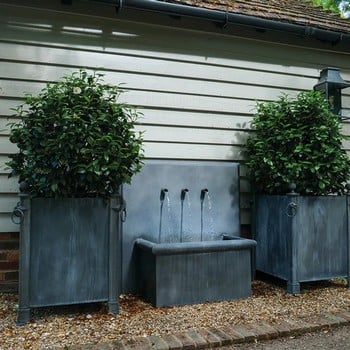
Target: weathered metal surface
x,y
302,238
114,252
69,245
271,234
194,272
178,214
23,314
68,253
322,237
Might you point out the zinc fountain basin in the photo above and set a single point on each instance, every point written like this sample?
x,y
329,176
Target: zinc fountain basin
x,y
180,237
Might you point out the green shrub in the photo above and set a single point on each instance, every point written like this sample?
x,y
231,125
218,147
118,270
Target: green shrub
x,y
75,139
297,141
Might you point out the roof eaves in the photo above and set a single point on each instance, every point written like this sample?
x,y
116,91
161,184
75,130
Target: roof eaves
x,y
304,27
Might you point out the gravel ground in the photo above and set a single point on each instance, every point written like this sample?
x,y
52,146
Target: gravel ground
x,y
61,326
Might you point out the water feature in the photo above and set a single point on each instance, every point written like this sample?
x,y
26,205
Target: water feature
x,y
173,246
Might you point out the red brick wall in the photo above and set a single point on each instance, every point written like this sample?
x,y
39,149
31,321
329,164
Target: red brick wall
x,y
9,256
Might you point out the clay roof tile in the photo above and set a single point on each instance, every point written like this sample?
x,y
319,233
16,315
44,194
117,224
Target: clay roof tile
x,y
292,11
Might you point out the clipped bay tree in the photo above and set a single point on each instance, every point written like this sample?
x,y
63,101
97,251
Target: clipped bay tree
x,y
75,139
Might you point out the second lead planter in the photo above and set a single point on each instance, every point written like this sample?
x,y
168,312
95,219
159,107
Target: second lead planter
x,y
302,238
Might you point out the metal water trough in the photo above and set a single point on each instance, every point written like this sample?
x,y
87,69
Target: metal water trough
x,y
173,246
194,272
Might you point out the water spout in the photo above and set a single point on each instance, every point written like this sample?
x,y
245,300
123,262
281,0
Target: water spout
x,y
163,192
163,195
182,197
204,192
183,194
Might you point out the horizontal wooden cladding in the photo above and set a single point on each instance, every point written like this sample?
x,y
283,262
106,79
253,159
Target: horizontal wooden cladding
x,y
166,134
345,130
6,147
127,69
196,119
176,151
174,64
192,151
166,117
175,95
160,134
236,114
4,124
211,152
7,203
154,85
3,167
176,118
345,126
220,136
191,135
6,225
6,107
181,143
159,99
8,185
346,145
212,104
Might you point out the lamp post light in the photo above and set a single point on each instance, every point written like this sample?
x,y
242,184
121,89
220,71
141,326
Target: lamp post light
x,y
331,84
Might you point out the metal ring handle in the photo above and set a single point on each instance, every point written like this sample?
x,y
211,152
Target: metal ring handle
x,y
17,215
292,209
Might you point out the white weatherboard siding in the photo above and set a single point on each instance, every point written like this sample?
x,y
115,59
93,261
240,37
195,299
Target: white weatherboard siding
x,y
197,91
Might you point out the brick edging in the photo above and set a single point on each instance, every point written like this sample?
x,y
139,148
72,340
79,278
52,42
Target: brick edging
x,y
205,338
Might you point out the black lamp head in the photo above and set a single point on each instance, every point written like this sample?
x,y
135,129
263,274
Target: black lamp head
x,y
331,84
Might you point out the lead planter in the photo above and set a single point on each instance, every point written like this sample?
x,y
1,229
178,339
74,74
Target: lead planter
x,y
68,252
194,272
302,238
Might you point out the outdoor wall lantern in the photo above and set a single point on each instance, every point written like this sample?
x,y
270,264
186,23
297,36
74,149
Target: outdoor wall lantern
x,y
331,83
